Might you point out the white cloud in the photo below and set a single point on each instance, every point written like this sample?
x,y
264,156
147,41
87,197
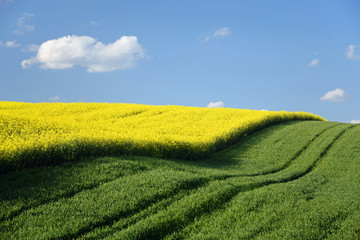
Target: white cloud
x,y
355,121
31,48
206,39
12,44
337,95
94,23
69,51
1,43
218,33
56,99
23,26
219,104
350,53
222,32
314,62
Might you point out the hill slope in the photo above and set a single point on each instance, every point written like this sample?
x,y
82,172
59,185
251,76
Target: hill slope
x,y
37,134
292,180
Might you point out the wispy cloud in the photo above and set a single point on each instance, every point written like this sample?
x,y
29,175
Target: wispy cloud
x,y
350,53
94,23
56,99
12,44
355,121
218,33
23,25
205,39
337,95
222,32
69,51
31,48
314,62
219,104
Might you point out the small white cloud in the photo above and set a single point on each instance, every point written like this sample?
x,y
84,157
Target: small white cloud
x,y
222,32
56,99
350,53
69,51
219,104
314,62
12,44
355,121
218,33
23,25
94,23
337,95
31,48
205,39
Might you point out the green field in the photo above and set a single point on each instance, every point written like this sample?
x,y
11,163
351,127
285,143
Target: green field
x,y
295,180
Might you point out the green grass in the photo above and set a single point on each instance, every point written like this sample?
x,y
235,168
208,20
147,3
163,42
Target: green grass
x,y
296,180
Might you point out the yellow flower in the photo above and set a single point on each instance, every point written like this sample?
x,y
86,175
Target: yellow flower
x,y
52,132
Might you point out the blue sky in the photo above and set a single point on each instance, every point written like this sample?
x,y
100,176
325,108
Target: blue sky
x,y
274,55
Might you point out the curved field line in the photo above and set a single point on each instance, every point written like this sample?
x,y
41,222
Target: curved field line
x,y
226,196
286,165
221,177
194,184
212,203
176,192
271,182
291,160
310,169
126,222
69,194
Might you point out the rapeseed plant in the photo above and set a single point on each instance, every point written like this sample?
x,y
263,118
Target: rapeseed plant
x,y
48,133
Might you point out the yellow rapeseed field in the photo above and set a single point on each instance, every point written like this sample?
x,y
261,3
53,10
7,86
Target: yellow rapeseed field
x,y
48,133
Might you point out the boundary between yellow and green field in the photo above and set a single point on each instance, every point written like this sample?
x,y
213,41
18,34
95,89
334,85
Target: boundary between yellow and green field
x,y
38,134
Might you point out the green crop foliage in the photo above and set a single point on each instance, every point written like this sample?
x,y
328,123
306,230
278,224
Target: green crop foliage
x,y
295,180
